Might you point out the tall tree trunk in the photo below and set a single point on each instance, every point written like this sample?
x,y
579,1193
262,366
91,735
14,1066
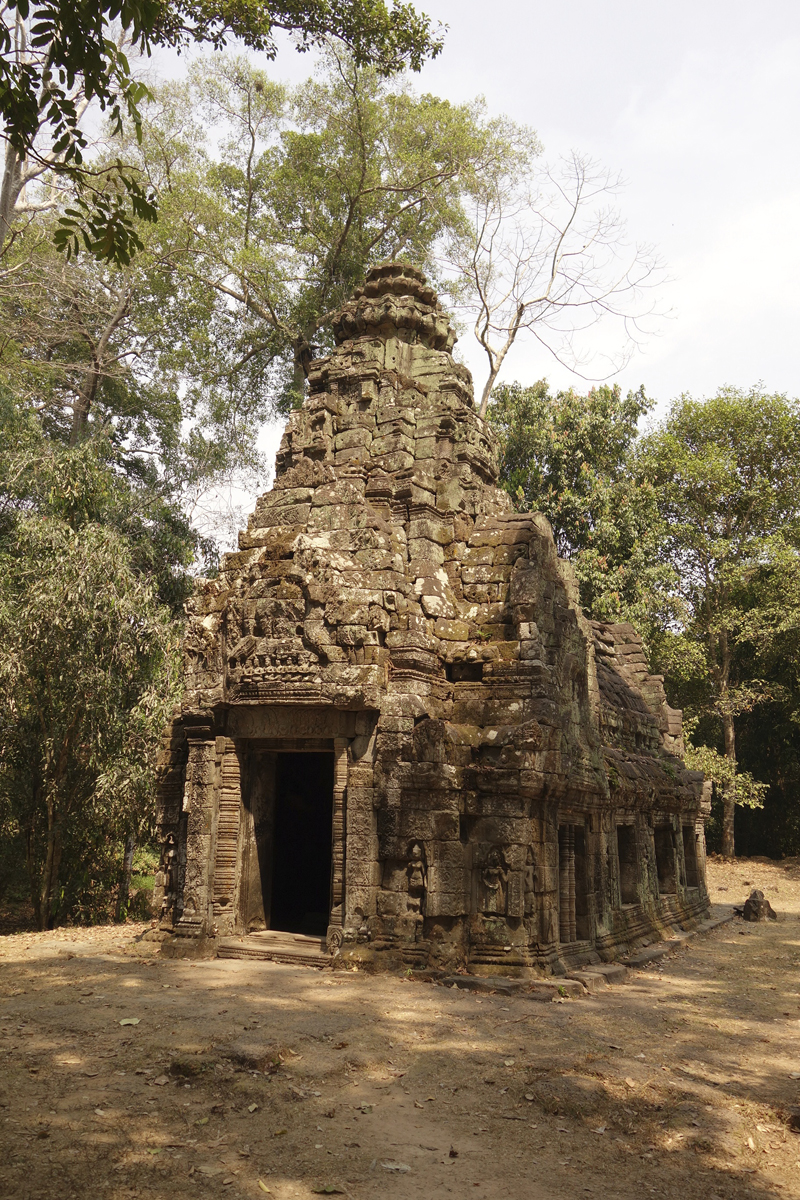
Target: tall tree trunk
x,y
125,879
10,188
48,883
303,357
33,879
729,792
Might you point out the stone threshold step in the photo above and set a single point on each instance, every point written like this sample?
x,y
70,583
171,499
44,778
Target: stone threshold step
x,y
295,949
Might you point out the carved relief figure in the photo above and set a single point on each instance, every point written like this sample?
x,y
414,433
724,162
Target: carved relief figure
x,y
167,876
417,875
494,882
531,882
550,921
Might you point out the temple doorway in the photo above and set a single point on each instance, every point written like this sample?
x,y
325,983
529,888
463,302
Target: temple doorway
x,y
286,859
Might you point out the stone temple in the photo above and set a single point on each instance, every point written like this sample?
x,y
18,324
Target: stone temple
x,y
401,742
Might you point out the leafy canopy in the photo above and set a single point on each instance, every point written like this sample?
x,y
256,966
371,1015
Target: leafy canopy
x,y
58,55
87,670
569,456
274,203
727,476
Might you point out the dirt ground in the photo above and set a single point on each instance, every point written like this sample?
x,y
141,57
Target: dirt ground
x,y
258,1080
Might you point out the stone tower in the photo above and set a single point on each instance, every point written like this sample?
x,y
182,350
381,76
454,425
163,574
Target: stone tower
x,y
399,732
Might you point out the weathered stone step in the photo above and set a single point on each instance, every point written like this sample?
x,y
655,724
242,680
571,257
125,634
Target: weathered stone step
x,y
274,946
534,989
721,914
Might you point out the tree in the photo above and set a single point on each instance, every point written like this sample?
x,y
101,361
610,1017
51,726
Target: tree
x,y
727,476
569,457
302,192
58,57
87,665
100,351
273,204
545,252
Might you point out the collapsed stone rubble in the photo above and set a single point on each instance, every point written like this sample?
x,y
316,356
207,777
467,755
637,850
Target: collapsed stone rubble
x,y
399,731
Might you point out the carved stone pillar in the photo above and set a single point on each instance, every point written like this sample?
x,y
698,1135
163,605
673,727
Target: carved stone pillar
x,y
198,805
337,850
566,864
227,841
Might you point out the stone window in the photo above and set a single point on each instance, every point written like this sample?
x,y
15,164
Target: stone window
x,y
464,672
665,860
628,864
574,925
690,855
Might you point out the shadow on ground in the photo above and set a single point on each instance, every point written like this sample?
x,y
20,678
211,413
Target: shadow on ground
x,y
248,1079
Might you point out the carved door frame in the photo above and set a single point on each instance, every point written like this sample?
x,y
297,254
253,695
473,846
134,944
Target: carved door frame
x,y
230,827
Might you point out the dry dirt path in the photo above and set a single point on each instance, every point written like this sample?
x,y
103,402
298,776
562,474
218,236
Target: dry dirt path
x,y
675,1084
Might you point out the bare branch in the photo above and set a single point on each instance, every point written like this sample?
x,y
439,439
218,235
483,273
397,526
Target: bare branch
x,y
548,255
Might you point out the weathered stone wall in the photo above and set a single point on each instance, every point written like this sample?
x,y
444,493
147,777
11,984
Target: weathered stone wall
x,y
491,741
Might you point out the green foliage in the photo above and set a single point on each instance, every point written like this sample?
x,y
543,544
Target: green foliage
x,y
723,771
568,456
727,474
55,57
274,203
88,670
692,532
95,353
93,570
93,483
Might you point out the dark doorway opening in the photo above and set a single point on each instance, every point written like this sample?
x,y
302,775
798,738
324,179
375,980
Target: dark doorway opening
x,y
301,855
285,845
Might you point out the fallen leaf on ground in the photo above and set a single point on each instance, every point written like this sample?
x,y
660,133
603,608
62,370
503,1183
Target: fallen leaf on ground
x,y
395,1166
264,1187
129,1021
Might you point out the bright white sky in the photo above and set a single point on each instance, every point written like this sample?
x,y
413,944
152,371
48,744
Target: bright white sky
x,y
698,105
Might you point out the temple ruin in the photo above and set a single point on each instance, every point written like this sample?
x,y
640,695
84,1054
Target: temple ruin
x,y
401,742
